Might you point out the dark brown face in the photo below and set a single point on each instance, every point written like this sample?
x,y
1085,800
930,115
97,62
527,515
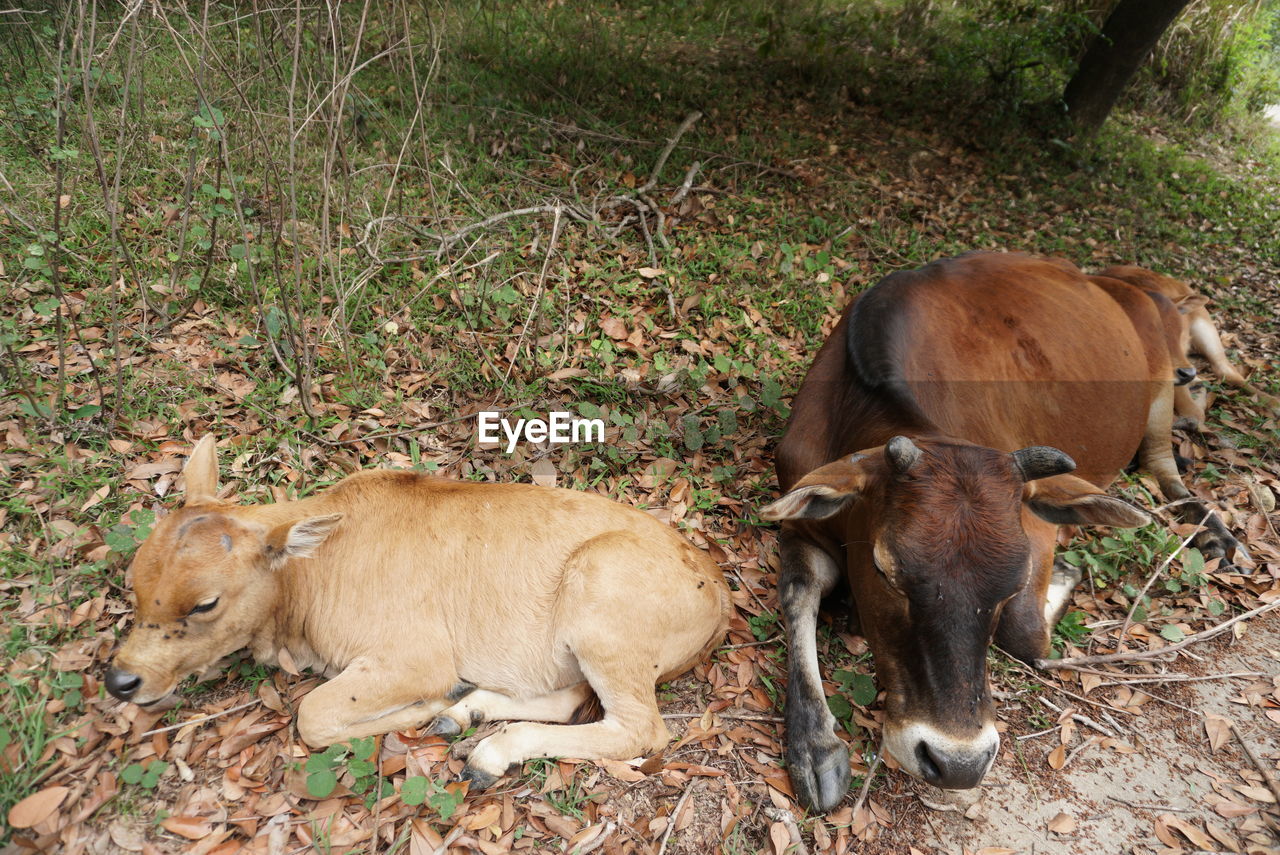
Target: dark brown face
x,y
931,566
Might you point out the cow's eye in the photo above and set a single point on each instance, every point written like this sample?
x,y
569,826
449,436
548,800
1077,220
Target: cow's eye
x,y
206,606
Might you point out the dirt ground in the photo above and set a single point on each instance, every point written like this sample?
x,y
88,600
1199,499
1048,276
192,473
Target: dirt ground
x,y
1115,801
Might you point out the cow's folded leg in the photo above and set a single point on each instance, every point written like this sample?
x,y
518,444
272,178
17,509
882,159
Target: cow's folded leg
x,y
483,705
817,759
369,699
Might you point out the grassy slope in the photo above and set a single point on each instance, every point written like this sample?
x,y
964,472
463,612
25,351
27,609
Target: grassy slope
x,y
807,193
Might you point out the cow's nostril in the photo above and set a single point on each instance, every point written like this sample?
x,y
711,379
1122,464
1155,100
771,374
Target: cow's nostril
x,y
122,684
1184,376
929,765
954,767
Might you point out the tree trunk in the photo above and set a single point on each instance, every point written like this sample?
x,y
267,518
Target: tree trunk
x,y
1131,31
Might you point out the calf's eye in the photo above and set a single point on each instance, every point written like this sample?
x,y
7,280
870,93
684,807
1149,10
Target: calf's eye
x,y
206,606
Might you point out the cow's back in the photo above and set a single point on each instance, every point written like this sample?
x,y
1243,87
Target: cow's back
x,y
1003,350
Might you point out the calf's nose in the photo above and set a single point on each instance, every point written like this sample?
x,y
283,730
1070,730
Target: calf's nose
x,y
122,684
1184,376
953,767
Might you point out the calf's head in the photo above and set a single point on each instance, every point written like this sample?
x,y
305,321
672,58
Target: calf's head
x,y
205,582
936,548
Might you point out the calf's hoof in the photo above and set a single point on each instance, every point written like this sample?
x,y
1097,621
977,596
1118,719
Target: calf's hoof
x,y
442,725
480,779
819,767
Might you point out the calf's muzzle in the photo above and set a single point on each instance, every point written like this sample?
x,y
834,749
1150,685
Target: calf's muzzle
x,y
121,684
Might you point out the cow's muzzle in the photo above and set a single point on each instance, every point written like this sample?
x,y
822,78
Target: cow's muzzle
x,y
942,759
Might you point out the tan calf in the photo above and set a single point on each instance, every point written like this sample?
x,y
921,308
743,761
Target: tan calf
x,y
1200,336
430,600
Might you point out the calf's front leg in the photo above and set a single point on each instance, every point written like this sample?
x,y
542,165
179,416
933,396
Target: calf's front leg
x,y
817,759
370,698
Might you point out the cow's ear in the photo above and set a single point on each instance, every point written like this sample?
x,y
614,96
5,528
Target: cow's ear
x,y
824,492
1190,303
201,472
1068,500
298,539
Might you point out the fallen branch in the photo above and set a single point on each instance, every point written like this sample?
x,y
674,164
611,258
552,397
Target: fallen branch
x,y
1076,662
688,123
449,240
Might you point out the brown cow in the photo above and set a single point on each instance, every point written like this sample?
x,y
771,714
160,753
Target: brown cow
x,y
926,460
430,600
1199,336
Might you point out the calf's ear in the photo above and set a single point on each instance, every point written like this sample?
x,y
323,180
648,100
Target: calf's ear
x,y
200,475
298,539
1067,500
825,491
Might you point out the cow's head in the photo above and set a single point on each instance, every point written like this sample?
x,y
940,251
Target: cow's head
x,y
205,582
936,548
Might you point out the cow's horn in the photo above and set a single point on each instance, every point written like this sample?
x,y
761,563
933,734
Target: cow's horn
x,y
1041,461
901,453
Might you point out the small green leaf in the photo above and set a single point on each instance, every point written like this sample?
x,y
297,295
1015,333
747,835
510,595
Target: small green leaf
x,y
132,773
445,803
413,791
321,784
840,707
864,690
1216,607
1172,633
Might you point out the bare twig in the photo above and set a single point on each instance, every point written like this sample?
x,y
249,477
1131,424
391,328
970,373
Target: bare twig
x,y
1150,807
1091,741
1128,618
1076,662
1082,719
537,297
202,719
675,816
866,786
1176,678
1262,768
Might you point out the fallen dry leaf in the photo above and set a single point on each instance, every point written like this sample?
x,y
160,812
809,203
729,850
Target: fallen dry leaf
x,y
37,807
1218,729
1063,823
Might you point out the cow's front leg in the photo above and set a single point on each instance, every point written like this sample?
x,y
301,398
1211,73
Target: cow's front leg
x,y
817,759
369,698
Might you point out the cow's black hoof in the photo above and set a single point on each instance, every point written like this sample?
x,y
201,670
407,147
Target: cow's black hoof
x,y
480,779
819,768
1213,544
442,725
